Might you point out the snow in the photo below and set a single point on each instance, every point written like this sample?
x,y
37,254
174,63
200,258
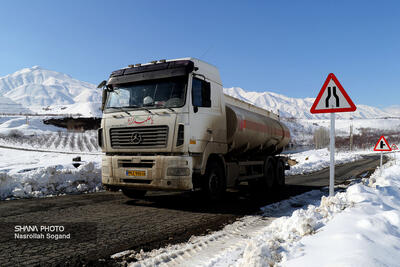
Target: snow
x,y
38,174
50,92
15,132
365,234
394,110
357,227
342,127
35,125
315,160
32,170
9,106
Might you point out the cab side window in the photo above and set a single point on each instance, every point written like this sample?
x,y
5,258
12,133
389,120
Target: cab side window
x,y
201,93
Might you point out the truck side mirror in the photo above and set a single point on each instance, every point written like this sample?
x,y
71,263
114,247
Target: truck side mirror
x,y
195,109
102,84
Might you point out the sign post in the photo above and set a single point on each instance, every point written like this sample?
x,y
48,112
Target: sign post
x,y
331,100
381,146
332,159
394,148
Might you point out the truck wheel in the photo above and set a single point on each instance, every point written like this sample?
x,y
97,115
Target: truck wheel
x,y
132,193
262,188
269,173
214,184
280,174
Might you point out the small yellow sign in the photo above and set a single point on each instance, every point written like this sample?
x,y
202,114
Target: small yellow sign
x,y
140,173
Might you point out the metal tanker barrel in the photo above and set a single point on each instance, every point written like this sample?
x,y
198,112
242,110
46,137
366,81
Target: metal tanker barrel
x,y
250,128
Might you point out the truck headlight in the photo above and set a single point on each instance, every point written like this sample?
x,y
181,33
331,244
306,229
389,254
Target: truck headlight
x,y
176,171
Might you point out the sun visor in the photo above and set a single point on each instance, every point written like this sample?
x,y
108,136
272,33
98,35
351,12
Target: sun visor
x,y
158,74
187,65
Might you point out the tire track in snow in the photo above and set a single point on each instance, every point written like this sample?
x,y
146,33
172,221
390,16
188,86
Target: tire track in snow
x,y
225,247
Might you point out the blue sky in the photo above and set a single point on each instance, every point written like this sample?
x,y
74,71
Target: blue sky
x,y
287,47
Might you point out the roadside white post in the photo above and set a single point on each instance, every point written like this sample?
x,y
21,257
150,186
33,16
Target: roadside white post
x,y
394,151
332,165
331,99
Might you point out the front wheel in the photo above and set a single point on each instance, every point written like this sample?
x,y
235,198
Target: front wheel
x,y
133,193
214,184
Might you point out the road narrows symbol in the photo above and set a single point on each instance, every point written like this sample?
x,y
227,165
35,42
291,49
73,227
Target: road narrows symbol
x,y
336,96
329,96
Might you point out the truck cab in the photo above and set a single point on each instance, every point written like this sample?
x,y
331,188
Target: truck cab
x,y
160,121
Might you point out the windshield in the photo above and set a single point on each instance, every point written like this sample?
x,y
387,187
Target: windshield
x,y
161,93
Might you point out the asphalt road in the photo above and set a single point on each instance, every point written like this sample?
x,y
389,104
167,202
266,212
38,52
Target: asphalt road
x,y
114,223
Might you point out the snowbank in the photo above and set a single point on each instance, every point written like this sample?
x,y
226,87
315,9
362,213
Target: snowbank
x,y
315,160
50,181
38,174
367,234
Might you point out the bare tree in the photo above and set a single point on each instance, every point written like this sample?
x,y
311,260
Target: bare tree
x,y
321,137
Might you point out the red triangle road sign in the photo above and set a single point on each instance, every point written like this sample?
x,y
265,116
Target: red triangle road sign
x,y
394,147
330,100
382,145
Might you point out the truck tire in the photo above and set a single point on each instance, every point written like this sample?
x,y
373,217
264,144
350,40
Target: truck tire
x,y
262,187
133,193
280,174
214,182
269,173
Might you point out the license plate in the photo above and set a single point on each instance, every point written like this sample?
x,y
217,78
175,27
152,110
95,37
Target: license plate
x,y
136,173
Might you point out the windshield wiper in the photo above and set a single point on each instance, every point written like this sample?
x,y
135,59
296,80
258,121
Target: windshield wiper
x,y
170,109
148,110
122,109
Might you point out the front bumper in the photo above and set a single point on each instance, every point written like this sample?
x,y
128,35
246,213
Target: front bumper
x,y
155,172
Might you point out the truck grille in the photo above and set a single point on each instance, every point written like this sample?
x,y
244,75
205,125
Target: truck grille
x,y
139,137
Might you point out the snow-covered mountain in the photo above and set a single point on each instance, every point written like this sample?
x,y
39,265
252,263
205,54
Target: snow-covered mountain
x,y
395,110
300,107
8,106
47,91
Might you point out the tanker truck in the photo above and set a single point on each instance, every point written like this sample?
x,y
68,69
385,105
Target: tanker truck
x,y
167,125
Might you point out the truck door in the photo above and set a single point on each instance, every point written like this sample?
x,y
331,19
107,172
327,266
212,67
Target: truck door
x,y
207,122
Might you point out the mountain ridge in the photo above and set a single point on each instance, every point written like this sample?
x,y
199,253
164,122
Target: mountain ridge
x,y
48,91
299,107
43,90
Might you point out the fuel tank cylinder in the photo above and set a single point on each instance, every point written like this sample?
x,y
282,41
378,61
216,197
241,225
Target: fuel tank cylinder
x,y
248,130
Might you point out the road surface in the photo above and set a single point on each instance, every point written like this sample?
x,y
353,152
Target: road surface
x,y
116,223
